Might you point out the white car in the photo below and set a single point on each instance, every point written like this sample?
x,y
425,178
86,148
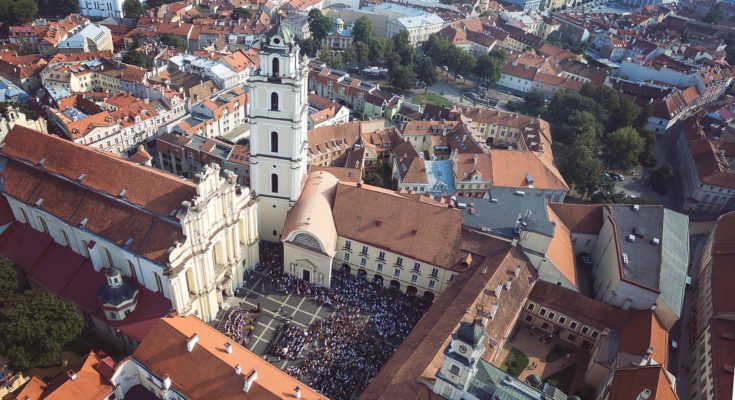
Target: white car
x,y
460,77
445,68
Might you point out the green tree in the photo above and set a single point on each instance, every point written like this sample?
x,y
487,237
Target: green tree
x,y
132,9
169,39
490,67
625,112
401,77
577,124
308,47
534,100
378,49
566,100
135,57
11,281
647,157
436,48
426,71
52,8
319,24
362,31
403,47
582,169
714,15
624,146
17,11
467,63
240,12
36,327
362,51
660,178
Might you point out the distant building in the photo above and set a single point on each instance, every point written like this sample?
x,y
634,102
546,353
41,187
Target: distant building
x,y
101,8
92,38
712,327
339,38
323,112
298,24
706,172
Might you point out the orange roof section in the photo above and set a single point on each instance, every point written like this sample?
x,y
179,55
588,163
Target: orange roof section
x,y
560,250
643,332
630,382
208,371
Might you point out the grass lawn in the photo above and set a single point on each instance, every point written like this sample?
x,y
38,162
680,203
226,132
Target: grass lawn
x,y
515,362
562,379
430,98
557,352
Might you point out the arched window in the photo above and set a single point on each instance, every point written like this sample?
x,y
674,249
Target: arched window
x,y
108,256
44,227
131,267
275,67
274,183
274,142
25,216
274,101
66,238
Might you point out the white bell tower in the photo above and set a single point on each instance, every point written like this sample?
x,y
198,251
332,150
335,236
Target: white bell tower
x,y
278,110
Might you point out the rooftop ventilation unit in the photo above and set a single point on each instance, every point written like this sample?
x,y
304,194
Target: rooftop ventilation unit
x,y
655,241
625,258
520,193
631,238
636,207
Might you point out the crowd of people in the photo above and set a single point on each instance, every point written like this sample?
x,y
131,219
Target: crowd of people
x,y
347,349
239,324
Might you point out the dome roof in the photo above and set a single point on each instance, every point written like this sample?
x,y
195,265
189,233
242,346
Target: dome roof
x,y
470,333
116,295
339,21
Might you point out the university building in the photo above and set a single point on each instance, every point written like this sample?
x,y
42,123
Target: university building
x,y
188,239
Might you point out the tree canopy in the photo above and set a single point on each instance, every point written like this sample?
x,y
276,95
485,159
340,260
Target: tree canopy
x,y
240,12
132,9
17,11
169,39
426,72
362,31
11,281
135,57
582,169
35,328
54,8
577,124
319,24
624,146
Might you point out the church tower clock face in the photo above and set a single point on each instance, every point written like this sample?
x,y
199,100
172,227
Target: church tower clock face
x,y
462,349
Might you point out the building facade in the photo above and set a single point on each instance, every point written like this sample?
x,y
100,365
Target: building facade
x,y
101,8
278,124
190,240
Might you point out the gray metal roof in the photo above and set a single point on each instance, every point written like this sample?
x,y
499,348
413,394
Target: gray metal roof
x,y
491,383
675,259
503,210
661,266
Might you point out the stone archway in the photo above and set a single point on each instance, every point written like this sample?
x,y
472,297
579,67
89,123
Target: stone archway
x,y
378,279
412,290
345,269
429,296
395,285
362,274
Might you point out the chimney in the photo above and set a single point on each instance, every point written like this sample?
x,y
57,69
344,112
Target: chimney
x,y
359,183
252,376
166,382
297,392
644,395
71,374
191,342
238,369
228,348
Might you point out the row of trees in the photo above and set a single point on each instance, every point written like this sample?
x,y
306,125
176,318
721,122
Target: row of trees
x,y
486,67
13,12
34,323
598,122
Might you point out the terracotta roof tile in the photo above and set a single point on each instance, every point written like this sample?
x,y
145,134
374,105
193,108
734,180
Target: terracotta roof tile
x,y
208,372
642,332
423,231
560,250
630,382
579,218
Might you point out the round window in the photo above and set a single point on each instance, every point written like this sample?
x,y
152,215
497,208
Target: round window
x,y
277,41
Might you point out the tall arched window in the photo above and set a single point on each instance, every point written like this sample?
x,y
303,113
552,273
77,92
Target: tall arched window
x,y
274,142
44,227
24,215
275,66
274,101
66,238
108,256
274,183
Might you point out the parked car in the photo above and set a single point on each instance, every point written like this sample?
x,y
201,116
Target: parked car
x,y
445,68
617,177
460,77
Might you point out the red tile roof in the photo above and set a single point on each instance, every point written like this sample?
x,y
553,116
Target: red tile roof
x,y
73,278
208,372
629,382
643,332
